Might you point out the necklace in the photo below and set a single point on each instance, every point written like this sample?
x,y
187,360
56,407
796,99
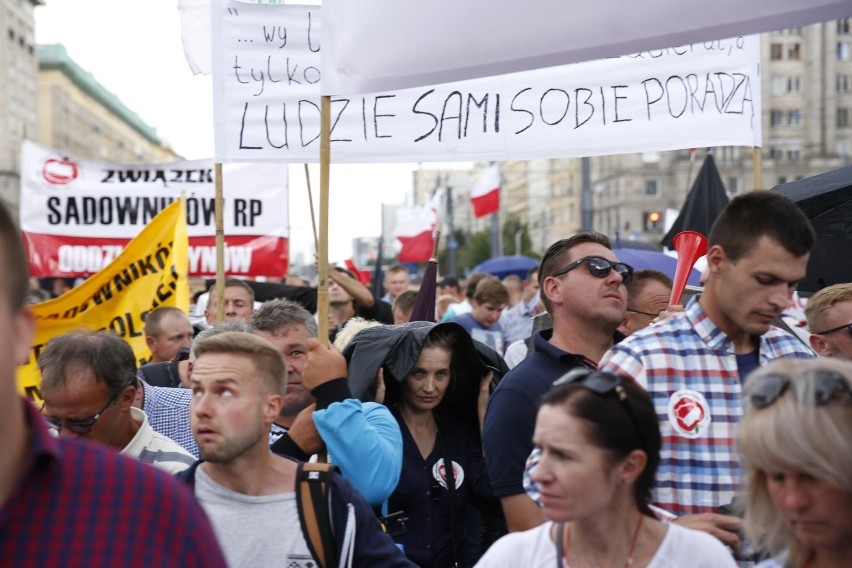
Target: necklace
x,y
628,562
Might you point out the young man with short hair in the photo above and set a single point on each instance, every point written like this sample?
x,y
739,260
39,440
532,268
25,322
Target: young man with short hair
x,y
396,282
483,321
829,314
693,364
238,298
238,384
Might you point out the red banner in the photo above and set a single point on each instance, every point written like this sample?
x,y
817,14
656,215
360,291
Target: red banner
x,y
72,257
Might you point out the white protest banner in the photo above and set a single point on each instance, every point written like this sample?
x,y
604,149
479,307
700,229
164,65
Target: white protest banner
x,y
77,214
266,76
378,45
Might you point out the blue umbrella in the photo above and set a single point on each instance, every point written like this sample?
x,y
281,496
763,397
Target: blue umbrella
x,y
502,266
641,259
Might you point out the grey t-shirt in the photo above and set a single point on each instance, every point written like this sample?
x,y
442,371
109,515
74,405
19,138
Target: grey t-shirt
x,y
254,530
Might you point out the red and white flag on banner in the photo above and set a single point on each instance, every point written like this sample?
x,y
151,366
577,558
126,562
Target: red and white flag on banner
x,y
486,193
413,233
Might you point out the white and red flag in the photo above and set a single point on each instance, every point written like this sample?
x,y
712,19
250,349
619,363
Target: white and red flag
x,y
413,233
485,196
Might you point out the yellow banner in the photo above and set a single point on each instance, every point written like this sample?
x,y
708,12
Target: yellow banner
x,y
150,272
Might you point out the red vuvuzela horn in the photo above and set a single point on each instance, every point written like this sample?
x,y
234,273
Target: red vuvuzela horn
x,y
690,246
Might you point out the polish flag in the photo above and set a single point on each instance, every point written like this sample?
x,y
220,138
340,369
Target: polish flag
x,y
413,233
486,193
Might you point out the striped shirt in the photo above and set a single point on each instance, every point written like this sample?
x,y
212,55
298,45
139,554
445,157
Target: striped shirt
x,y
689,368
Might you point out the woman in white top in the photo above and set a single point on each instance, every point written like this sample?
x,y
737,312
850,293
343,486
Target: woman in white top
x,y
796,441
600,445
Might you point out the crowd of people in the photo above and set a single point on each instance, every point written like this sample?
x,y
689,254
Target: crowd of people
x,y
569,417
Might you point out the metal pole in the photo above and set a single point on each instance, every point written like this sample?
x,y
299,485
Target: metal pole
x,y
219,214
452,243
586,203
495,234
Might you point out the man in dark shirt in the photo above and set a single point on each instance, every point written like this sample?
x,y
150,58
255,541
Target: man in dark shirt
x,y
68,503
583,289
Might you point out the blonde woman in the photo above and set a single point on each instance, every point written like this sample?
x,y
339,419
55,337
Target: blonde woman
x,y
796,442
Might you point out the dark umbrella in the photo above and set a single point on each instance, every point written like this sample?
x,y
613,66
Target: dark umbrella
x,y
641,259
503,266
826,200
424,305
703,203
376,284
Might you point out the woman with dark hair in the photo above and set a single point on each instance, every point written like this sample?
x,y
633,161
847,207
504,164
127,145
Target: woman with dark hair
x,y
436,387
600,447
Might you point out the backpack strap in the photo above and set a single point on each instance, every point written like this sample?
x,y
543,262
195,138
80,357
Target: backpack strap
x,y
312,501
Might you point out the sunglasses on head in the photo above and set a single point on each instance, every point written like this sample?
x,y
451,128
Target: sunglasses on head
x,y
838,328
601,383
829,385
599,267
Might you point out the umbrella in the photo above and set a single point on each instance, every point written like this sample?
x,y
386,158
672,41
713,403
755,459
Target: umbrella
x,y
703,203
826,200
502,266
424,305
641,259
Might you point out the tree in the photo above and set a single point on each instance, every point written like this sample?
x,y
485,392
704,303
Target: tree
x,y
514,231
472,249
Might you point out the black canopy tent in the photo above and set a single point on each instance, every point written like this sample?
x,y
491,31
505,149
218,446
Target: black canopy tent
x,y
826,199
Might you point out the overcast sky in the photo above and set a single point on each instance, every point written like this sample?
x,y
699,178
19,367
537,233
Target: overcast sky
x,y
134,50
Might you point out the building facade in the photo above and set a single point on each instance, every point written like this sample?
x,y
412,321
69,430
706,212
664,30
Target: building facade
x,y
18,79
806,86
45,96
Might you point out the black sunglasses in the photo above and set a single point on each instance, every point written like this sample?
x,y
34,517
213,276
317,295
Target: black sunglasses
x,y
829,386
602,383
838,328
599,267
80,427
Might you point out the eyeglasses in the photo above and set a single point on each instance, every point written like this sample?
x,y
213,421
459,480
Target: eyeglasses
x,y
601,383
829,385
649,314
80,427
838,328
599,267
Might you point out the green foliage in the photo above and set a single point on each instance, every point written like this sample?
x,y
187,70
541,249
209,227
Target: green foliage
x,y
511,227
474,248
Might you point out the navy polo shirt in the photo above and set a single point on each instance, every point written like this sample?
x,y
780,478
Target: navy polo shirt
x,y
513,406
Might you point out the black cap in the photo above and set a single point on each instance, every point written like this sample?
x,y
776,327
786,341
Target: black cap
x,y
448,281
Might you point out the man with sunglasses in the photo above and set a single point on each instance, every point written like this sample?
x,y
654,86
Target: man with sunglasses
x,y
582,286
88,383
829,314
66,503
694,364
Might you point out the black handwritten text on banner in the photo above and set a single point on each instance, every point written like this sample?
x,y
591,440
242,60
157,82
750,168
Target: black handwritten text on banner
x,y
266,73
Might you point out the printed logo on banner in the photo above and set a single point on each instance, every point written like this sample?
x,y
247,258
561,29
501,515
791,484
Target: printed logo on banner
x,y
59,172
689,413
439,472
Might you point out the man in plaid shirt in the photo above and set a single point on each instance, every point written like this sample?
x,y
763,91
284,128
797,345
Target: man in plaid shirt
x,y
694,364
